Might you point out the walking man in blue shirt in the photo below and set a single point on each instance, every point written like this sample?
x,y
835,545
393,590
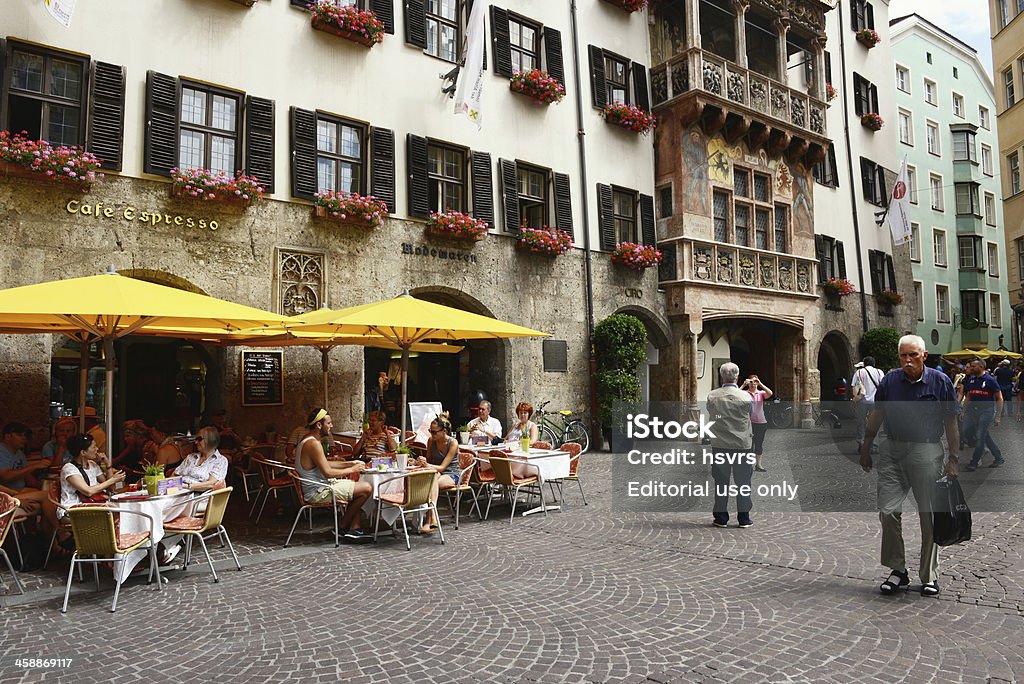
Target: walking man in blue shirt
x,y
983,403
917,404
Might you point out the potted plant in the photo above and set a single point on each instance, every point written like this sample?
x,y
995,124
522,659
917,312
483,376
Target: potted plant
x,y
463,431
455,225
350,208
869,38
629,117
358,25
838,287
872,121
404,454
889,298
629,5
538,85
205,185
545,240
636,257
37,159
152,473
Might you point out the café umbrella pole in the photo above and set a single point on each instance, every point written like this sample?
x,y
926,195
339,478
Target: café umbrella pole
x,y
108,353
325,363
83,382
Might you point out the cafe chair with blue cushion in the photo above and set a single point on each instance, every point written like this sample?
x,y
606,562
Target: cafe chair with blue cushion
x,y
96,534
8,506
307,507
503,476
209,523
414,498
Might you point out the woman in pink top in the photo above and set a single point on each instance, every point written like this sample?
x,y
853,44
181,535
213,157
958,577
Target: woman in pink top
x,y
759,393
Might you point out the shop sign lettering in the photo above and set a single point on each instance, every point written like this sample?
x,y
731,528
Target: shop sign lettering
x,y
438,253
129,213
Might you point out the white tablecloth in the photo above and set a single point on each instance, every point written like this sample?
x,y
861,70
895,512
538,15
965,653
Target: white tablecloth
x,y
162,509
551,464
375,477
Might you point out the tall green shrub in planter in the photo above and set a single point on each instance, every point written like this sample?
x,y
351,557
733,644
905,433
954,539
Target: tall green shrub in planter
x,y
620,346
883,344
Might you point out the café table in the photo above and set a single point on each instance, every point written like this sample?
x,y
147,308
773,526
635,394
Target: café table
x,y
161,508
548,464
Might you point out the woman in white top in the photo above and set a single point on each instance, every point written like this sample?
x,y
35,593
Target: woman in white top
x,y
86,475
207,468
523,412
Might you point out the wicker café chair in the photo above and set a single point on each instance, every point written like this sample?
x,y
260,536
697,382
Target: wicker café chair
x,y
208,524
503,476
96,535
8,505
53,494
467,464
305,506
414,498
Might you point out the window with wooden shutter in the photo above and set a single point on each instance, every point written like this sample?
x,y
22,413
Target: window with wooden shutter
x,y
824,259
161,142
640,92
563,203
303,134
106,114
616,79
598,93
876,266
840,259
446,172
45,94
441,26
483,187
509,194
647,230
416,23
382,166
533,186
890,272
340,154
259,140
553,54
501,42
209,128
624,205
416,159
605,217
385,11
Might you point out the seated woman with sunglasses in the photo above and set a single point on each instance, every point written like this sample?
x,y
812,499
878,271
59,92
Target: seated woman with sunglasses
x,y
442,456
375,441
207,468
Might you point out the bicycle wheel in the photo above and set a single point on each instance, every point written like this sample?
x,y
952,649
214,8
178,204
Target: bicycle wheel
x,y
576,432
782,417
548,435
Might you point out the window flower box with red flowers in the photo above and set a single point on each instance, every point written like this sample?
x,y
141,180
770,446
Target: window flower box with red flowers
x,y
358,25
869,38
872,121
455,225
889,298
830,92
350,209
546,240
538,85
204,185
630,117
637,257
629,5
21,157
838,287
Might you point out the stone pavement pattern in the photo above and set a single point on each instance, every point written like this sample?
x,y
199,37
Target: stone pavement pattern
x,y
586,595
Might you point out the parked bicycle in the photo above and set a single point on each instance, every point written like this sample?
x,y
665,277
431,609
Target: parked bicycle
x,y
559,427
780,415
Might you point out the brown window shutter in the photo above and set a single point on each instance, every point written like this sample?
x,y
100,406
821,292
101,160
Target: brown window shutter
x,y
563,203
483,187
819,254
647,231
605,217
304,4
419,187
303,125
640,91
385,11
106,114
841,258
510,194
162,114
891,272
416,23
3,63
382,166
259,140
500,41
598,92
553,54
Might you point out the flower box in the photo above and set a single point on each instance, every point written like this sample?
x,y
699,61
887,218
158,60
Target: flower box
x,y
629,117
872,121
636,257
350,209
204,185
869,38
547,241
358,25
838,287
889,298
538,85
21,157
454,225
628,5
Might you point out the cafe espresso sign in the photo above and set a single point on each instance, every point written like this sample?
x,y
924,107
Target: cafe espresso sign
x,y
99,210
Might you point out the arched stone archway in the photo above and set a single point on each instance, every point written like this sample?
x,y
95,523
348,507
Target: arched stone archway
x,y
835,364
657,376
162,278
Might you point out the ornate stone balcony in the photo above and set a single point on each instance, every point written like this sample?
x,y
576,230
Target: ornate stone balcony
x,y
728,266
738,102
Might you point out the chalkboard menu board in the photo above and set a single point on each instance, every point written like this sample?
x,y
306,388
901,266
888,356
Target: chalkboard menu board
x,y
262,378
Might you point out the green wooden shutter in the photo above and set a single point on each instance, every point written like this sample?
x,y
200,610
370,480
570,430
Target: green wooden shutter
x,y
160,151
106,114
259,140
303,125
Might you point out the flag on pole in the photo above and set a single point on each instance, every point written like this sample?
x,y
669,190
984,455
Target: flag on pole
x,y
899,208
471,85
61,10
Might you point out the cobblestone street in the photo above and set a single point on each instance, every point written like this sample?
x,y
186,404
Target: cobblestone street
x,y
582,595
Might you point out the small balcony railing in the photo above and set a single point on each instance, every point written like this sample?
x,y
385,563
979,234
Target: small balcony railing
x,y
713,263
742,88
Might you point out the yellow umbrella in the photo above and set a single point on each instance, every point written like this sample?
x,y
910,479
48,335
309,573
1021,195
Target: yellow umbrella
x,y
982,354
406,321
109,306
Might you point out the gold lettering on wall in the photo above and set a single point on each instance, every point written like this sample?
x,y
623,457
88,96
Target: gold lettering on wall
x,y
132,214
